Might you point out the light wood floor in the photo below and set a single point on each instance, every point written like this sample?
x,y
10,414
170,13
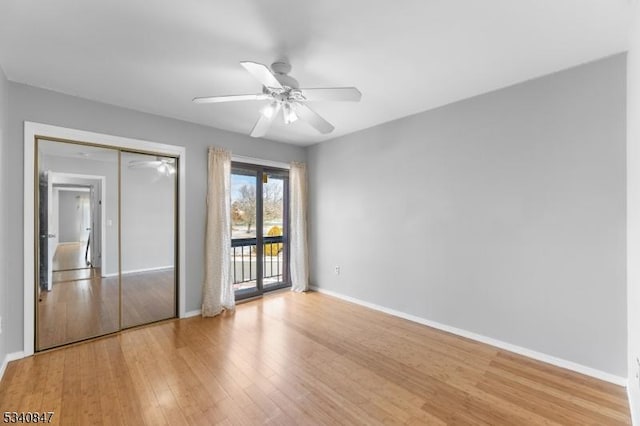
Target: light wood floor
x,y
69,256
147,297
301,359
68,263
83,304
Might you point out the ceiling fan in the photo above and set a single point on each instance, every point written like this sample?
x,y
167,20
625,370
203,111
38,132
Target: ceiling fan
x,y
284,93
163,165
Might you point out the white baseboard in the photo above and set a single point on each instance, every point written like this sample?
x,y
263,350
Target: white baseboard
x,y
192,313
549,359
8,358
137,271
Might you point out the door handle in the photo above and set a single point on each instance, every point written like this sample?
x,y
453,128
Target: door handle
x,y
51,235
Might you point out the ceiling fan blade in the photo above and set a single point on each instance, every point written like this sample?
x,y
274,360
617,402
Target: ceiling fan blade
x,y
231,98
262,73
313,118
344,94
264,122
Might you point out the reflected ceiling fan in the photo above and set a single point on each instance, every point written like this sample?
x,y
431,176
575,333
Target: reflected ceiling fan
x,y
163,165
284,93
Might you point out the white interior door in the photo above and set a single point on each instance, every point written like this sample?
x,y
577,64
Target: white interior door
x,y
92,239
52,226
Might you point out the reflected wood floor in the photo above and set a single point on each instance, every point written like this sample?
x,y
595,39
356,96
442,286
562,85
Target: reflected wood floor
x,y
78,309
148,297
302,359
68,263
83,304
69,256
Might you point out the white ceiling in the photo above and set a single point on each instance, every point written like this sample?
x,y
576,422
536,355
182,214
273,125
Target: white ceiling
x,y
405,56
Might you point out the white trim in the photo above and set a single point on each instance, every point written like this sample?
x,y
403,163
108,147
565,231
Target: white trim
x,y
634,408
70,188
31,130
103,208
260,162
137,271
558,362
195,313
8,358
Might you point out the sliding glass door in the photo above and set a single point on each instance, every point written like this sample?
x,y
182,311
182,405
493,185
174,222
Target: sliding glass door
x,y
275,190
259,228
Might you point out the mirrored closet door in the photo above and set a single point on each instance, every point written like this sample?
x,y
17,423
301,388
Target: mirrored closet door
x,y
106,246
148,223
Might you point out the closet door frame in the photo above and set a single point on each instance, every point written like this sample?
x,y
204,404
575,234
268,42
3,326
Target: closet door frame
x,y
33,132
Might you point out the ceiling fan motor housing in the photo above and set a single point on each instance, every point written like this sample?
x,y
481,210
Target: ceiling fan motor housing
x,y
281,69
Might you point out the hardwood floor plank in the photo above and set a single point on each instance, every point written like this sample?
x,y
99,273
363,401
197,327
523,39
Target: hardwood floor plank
x,y
543,403
587,387
291,359
38,372
52,386
584,402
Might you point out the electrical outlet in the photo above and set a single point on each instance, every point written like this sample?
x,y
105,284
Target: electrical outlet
x,y
337,270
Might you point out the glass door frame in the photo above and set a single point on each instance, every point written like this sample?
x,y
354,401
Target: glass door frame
x,y
259,289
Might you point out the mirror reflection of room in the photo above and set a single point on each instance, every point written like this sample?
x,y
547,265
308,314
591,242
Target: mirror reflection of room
x,y
78,241
148,205
106,227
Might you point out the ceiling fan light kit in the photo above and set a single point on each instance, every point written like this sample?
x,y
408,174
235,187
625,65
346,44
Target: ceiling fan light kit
x,y
284,93
289,114
270,110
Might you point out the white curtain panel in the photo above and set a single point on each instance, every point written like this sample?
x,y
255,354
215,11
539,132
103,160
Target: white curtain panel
x,y
299,258
217,289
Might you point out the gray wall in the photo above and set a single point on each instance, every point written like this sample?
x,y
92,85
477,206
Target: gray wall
x,y
5,243
503,215
147,210
148,207
633,213
108,169
43,106
70,216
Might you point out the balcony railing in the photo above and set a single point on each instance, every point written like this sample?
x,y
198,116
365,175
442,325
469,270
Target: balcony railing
x,y
244,262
